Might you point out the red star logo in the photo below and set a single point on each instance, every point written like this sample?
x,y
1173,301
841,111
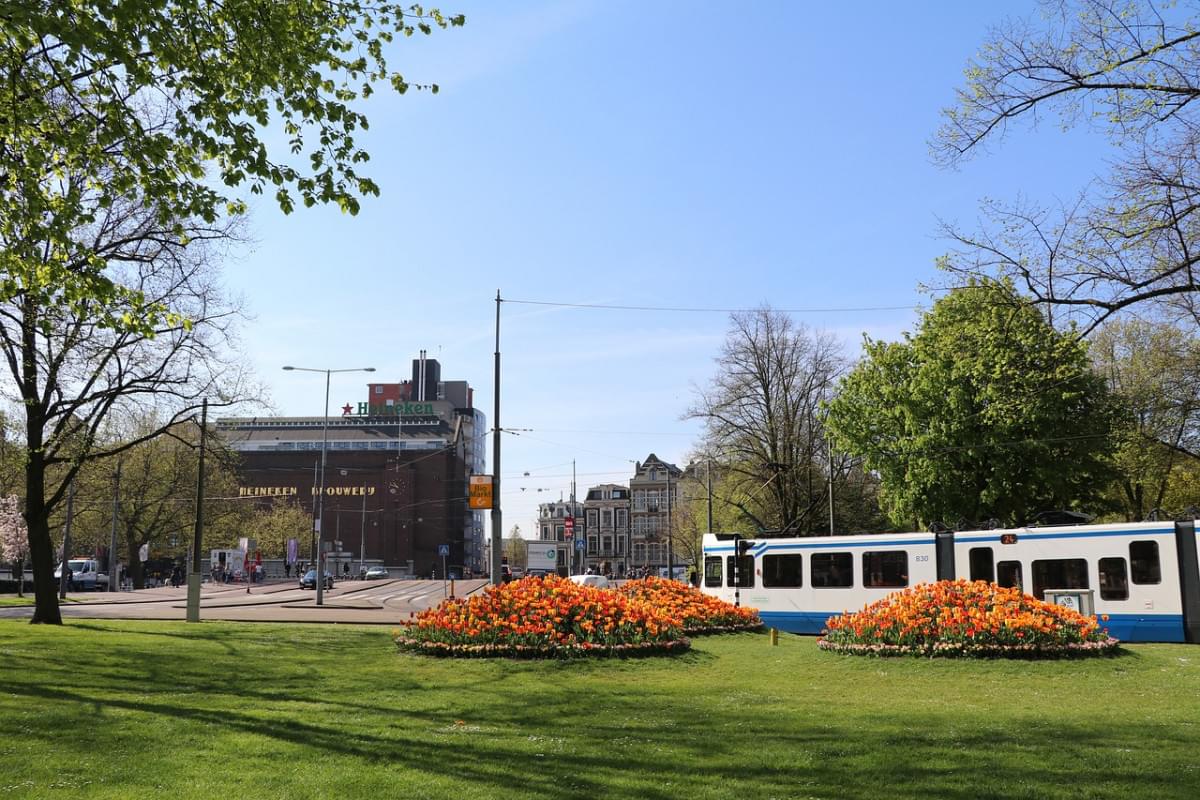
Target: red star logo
x,y
346,409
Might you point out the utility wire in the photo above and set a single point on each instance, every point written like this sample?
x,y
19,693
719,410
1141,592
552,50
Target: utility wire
x,y
608,307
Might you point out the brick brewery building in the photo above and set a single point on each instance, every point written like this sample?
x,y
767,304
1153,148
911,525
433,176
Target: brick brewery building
x,y
396,471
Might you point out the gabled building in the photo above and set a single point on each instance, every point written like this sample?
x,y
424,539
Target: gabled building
x,y
654,489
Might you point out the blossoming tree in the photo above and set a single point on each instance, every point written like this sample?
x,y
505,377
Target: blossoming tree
x,y
14,540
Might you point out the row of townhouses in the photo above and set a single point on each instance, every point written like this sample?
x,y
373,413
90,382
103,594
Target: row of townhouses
x,y
623,529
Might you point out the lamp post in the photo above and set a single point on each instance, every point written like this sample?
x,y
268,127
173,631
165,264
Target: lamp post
x,y
320,511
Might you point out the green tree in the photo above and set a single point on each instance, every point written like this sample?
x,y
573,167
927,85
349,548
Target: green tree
x,y
1153,372
516,549
273,525
985,412
129,132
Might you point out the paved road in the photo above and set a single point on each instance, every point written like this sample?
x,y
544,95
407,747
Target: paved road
x,y
384,602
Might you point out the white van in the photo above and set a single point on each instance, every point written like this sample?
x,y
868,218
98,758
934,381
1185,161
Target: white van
x,y
85,574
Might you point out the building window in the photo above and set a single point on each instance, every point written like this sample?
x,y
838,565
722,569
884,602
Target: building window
x,y
378,390
606,518
1143,559
591,545
591,518
606,545
620,545
832,570
712,571
982,568
1114,581
783,570
1059,573
639,552
622,519
558,533
885,568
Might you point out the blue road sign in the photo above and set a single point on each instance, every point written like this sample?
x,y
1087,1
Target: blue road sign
x,y
579,543
443,550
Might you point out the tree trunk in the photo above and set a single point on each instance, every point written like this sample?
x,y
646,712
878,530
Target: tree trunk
x,y
37,516
41,549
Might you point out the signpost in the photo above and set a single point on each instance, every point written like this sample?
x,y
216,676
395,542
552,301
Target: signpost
x,y
444,552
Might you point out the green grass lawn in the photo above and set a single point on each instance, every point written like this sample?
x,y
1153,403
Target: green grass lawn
x,y
149,709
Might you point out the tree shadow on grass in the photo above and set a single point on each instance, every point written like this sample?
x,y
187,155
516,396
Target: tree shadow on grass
x,y
605,728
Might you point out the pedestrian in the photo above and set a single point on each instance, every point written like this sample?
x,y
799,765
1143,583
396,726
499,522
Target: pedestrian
x,y
287,569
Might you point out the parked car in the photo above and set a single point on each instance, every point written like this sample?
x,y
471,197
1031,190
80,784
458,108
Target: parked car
x,y
599,581
376,572
309,581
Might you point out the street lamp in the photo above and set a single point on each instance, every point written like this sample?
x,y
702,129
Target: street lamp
x,y
320,515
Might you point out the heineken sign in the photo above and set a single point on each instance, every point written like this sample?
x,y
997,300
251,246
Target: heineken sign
x,y
394,410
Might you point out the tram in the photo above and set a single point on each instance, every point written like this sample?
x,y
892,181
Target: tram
x,y
1144,576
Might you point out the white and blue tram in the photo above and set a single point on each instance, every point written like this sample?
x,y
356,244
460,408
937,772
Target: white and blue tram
x,y
1144,575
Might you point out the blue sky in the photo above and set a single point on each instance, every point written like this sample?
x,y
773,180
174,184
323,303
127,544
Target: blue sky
x,y
667,154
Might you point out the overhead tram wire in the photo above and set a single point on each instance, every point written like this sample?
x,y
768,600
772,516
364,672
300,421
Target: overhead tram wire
x,y
682,309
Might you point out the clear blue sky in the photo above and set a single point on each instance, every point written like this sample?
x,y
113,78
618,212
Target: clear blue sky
x,y
665,153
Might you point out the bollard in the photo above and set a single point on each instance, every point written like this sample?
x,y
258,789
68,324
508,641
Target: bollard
x,y
452,588
774,637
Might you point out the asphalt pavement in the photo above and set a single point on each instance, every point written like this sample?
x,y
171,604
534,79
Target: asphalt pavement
x,y
382,602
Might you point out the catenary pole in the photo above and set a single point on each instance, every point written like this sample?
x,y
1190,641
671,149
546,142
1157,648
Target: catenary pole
x,y
362,534
670,532
113,570
320,581
497,544
194,576
708,480
62,577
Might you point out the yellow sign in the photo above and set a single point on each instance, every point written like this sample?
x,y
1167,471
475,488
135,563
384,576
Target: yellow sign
x,y
481,492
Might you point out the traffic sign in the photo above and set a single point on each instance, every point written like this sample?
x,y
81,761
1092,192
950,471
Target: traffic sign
x,y
579,543
569,527
443,550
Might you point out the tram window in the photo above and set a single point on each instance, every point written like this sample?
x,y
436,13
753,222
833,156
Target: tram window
x,y
712,571
1008,575
785,570
745,571
832,569
1059,573
982,567
1143,562
1114,580
885,568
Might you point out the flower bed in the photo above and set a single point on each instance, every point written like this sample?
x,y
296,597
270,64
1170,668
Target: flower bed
x,y
699,613
965,618
543,618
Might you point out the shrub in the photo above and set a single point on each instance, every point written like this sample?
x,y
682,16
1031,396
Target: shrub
x,y
698,612
964,618
539,618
